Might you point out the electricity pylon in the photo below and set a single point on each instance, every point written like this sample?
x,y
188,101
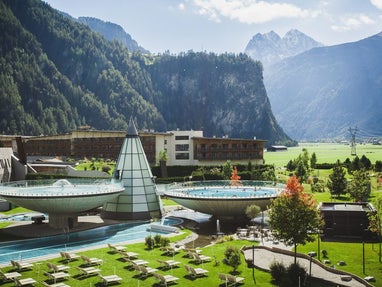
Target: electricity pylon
x,y
352,141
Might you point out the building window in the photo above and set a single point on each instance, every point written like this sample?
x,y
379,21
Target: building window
x,y
182,147
182,155
179,138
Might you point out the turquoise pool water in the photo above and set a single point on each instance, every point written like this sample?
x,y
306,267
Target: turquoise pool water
x,y
231,191
31,248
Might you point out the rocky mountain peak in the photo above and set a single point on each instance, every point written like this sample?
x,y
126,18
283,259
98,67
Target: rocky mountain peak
x,y
270,48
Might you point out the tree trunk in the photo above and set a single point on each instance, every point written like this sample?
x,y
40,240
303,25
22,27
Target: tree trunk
x,y
163,168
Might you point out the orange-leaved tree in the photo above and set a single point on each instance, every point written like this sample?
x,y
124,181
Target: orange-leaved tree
x,y
293,216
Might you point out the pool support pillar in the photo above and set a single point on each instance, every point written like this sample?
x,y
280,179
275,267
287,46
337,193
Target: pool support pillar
x,y
63,221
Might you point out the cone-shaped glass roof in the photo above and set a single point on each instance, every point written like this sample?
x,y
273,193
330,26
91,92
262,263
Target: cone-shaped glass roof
x,y
139,200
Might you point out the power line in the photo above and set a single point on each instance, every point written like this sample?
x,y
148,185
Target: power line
x,y
353,132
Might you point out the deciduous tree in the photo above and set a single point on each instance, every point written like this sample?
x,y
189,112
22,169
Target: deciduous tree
x,y
293,216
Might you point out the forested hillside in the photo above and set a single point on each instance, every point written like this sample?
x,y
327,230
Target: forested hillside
x,y
56,74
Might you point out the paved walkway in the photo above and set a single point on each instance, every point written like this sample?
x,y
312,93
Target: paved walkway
x,y
263,257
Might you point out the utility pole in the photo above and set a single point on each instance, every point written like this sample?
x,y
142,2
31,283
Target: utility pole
x,y
353,132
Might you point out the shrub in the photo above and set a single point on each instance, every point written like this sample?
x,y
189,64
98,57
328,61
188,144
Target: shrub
x,y
278,271
149,242
296,273
157,239
232,257
164,241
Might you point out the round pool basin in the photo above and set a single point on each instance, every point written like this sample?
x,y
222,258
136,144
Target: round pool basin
x,y
61,196
223,200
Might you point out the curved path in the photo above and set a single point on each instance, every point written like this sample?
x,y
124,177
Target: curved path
x,y
264,256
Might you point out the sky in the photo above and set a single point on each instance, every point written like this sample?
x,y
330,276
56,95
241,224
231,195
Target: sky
x,y
228,25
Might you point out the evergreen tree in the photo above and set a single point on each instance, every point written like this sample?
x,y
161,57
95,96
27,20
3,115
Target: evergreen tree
x,y
378,166
290,166
337,180
313,160
359,188
365,162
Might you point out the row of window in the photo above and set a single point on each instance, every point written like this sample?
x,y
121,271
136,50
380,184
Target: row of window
x,y
228,146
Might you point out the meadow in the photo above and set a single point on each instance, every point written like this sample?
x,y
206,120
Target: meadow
x,y
325,152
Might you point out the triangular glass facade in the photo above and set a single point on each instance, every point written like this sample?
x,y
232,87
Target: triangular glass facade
x,y
139,201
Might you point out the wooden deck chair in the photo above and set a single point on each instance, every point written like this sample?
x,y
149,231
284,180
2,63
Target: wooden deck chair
x,y
116,248
88,271
69,256
109,279
21,266
196,272
165,279
24,282
60,284
57,268
9,276
231,279
91,261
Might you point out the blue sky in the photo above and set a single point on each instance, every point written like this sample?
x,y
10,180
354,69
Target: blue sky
x,y
228,25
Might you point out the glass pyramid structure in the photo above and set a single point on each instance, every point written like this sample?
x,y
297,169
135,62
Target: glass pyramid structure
x,y
139,200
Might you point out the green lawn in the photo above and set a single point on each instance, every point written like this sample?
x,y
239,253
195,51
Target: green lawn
x,y
113,265
325,152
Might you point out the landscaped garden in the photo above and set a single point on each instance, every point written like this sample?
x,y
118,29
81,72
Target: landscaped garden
x,y
361,258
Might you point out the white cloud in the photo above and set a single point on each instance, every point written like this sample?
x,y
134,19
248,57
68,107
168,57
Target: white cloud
x,y
181,6
249,11
353,22
377,3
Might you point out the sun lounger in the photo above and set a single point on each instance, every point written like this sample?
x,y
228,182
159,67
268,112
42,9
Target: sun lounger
x,y
60,284
170,251
9,276
144,271
24,282
91,261
165,279
195,272
108,279
57,268
21,266
199,258
69,256
191,250
57,276
116,248
230,279
167,264
137,262
128,255
234,279
88,271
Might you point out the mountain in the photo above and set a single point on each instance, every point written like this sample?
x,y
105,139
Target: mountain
x,y
322,92
270,48
57,74
111,31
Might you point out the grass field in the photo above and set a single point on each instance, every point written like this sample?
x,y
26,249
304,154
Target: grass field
x,y
325,152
